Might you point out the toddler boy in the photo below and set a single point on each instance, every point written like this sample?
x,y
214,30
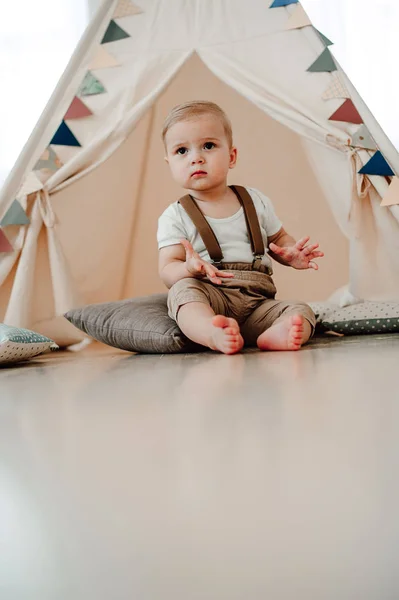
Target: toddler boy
x,y
214,244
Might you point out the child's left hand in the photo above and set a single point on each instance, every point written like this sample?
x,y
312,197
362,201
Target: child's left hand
x,y
299,256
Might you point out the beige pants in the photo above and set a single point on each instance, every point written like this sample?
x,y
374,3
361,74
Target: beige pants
x,y
248,298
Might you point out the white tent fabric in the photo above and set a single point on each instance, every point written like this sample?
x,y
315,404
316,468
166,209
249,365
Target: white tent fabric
x,y
245,45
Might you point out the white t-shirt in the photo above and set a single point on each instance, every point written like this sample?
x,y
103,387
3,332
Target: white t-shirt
x,y
231,232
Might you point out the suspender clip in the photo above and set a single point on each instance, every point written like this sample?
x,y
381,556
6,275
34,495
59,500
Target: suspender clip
x,y
257,261
217,264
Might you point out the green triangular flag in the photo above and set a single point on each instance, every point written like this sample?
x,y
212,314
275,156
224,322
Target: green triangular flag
x,y
15,215
324,38
114,33
91,86
324,64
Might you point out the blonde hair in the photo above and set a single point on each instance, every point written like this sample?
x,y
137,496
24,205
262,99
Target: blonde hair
x,y
196,108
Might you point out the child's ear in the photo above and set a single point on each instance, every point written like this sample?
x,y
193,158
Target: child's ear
x,y
233,157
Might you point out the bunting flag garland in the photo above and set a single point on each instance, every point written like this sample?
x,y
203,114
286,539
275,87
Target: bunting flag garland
x,y
31,184
48,161
278,3
125,8
15,216
91,86
347,113
77,110
362,139
103,60
392,196
5,245
64,137
323,38
298,19
377,165
336,89
114,33
324,64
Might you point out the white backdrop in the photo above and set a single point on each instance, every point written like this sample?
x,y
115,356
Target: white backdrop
x,y
366,44
37,39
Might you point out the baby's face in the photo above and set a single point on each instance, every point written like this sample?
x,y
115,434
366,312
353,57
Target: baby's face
x,y
198,153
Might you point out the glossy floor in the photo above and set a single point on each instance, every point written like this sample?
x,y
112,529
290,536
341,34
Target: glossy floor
x,y
202,476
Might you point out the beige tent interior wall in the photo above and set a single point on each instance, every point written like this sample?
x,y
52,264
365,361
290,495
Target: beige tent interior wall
x,y
107,220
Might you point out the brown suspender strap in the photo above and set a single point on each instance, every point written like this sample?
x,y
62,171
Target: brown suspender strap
x,y
203,227
208,236
251,218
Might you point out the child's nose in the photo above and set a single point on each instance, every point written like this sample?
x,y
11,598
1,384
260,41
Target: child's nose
x,y
197,158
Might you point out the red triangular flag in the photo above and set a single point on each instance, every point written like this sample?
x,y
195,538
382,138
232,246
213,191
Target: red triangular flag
x,y
5,245
348,113
77,110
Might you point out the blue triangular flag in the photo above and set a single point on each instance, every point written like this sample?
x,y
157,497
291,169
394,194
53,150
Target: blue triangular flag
x,y
64,137
377,165
15,215
278,3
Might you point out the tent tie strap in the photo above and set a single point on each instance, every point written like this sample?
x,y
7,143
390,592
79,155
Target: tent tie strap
x,y
46,210
361,184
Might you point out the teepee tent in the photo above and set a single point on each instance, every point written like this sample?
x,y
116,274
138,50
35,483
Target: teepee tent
x,y
78,213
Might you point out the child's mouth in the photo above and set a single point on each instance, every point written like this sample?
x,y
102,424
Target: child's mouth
x,y
199,173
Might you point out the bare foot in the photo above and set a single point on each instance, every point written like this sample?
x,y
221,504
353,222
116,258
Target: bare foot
x,y
288,334
226,335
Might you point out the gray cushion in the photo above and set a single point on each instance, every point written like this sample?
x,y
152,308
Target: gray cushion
x,y
137,325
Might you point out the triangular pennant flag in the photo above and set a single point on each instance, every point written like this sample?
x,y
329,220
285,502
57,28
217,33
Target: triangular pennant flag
x,y
324,64
31,184
64,136
336,89
103,60
91,86
5,245
392,196
362,139
49,161
67,153
125,8
377,165
323,38
278,3
15,215
114,33
77,110
298,19
347,113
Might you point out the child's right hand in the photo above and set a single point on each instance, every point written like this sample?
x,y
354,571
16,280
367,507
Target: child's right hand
x,y
197,267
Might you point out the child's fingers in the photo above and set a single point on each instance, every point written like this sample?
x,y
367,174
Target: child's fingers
x,y
224,274
276,249
302,243
188,248
313,265
316,255
212,273
310,249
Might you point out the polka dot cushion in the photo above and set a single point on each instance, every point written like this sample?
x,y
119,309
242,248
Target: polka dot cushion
x,y
358,319
22,344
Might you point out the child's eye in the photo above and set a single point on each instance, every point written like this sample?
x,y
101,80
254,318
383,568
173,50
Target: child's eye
x,y
181,150
209,145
